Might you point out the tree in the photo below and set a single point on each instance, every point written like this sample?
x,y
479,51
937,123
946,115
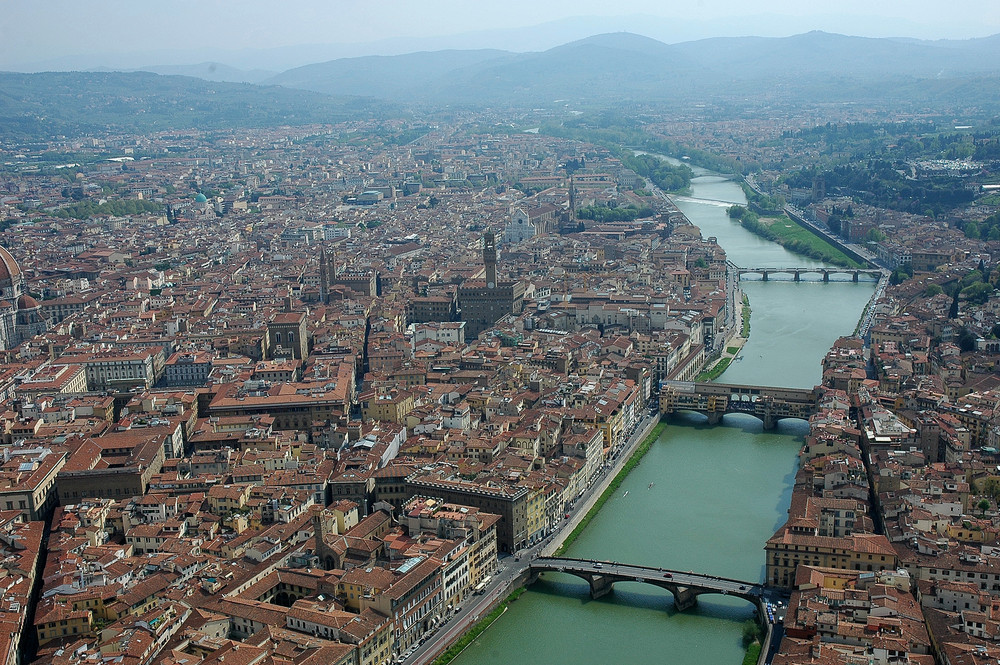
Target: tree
x,y
751,632
966,340
972,277
990,487
983,505
875,235
972,231
978,293
933,290
953,310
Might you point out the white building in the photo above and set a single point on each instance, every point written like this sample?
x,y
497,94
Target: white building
x,y
519,227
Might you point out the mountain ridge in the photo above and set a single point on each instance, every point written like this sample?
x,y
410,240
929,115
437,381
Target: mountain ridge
x,y
600,71
604,60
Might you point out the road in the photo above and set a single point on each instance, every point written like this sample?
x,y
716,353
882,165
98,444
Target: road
x,y
869,316
627,571
513,566
833,239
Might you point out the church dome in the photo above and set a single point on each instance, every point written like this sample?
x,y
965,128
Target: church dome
x,y
200,198
25,301
9,270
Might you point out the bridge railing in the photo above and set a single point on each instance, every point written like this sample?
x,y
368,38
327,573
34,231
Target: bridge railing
x,y
567,562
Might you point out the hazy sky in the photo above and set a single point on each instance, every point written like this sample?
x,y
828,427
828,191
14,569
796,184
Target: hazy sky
x,y
101,31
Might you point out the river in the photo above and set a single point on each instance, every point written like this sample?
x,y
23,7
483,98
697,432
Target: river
x,y
793,323
717,493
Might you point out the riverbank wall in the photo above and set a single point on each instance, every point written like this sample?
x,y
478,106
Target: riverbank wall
x,y
585,510
830,238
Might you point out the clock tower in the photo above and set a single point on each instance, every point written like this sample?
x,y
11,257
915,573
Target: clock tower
x,y
490,259
484,301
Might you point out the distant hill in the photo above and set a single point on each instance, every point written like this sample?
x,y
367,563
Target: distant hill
x,y
614,69
617,67
212,71
383,76
824,53
626,67
602,67
74,103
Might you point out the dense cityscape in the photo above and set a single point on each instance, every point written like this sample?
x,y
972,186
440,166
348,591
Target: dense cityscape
x,y
336,392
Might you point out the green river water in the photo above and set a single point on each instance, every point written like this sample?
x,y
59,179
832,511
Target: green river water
x,y
717,492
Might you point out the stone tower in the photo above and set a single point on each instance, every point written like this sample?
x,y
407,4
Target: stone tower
x,y
324,276
572,199
490,259
324,526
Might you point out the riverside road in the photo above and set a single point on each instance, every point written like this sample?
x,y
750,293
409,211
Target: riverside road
x,y
513,567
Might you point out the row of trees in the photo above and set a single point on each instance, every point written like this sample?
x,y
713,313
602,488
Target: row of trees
x,y
988,229
906,140
85,209
614,130
601,213
664,175
762,203
751,222
882,183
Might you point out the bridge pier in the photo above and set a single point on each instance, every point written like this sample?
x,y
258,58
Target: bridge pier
x,y
797,276
854,277
684,598
600,586
714,417
826,275
770,422
763,276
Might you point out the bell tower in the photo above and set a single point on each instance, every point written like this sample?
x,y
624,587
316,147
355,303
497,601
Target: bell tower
x,y
490,259
324,276
572,199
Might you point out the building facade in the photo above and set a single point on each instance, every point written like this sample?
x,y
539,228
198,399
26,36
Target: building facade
x,y
21,316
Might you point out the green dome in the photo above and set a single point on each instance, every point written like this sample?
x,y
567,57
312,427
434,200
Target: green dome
x,y
200,198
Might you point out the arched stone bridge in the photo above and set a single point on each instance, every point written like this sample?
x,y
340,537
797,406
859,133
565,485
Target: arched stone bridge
x,y
796,273
768,403
684,586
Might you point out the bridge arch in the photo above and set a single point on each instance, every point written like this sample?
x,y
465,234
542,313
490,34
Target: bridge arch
x,y
822,272
769,404
685,587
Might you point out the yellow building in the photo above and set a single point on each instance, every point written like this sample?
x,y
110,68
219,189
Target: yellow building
x,y
536,514
62,622
28,482
797,543
970,532
483,552
390,407
224,499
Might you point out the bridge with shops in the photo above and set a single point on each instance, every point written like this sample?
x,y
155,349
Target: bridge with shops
x,y
684,586
768,403
796,273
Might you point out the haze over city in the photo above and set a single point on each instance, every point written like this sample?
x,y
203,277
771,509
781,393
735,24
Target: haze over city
x,y
62,34
451,333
